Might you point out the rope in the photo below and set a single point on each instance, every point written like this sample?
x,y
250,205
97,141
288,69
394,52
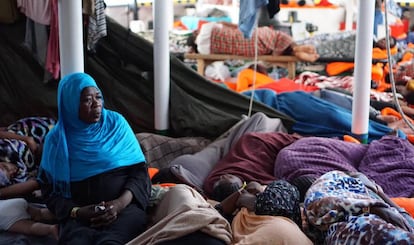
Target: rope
x,y
391,74
255,67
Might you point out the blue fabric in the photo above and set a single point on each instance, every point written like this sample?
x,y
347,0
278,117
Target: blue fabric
x,y
75,150
410,38
247,15
316,117
378,20
336,98
343,100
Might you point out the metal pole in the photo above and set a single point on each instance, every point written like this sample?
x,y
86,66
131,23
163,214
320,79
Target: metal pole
x,y
70,36
162,25
362,71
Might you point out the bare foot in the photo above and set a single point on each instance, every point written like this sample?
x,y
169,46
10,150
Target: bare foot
x,y
54,232
401,125
305,48
387,118
396,124
308,57
409,111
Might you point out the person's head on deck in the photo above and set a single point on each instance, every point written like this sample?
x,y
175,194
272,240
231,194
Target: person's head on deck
x,y
225,186
303,183
191,42
382,43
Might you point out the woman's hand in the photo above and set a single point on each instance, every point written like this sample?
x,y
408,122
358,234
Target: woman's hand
x,y
98,215
106,214
109,214
86,213
31,143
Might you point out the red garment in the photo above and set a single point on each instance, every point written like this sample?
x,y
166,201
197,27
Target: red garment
x,y
252,158
53,57
287,85
230,40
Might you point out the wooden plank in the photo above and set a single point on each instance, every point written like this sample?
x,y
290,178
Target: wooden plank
x,y
286,61
274,58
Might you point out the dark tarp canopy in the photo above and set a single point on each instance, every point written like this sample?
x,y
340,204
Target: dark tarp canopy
x,y
123,68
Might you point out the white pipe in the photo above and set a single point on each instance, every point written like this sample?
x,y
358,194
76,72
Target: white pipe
x,y
70,36
161,11
362,71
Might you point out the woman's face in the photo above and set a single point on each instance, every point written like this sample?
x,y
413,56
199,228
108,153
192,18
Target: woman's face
x,y
9,170
90,107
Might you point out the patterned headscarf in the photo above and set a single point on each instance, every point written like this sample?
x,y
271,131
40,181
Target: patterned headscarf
x,y
280,198
336,195
75,150
338,205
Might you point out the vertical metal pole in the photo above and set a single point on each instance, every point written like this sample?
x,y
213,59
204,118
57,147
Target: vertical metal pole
x,y
70,36
162,25
135,8
362,71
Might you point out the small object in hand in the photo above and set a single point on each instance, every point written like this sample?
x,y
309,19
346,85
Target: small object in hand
x,y
74,212
99,208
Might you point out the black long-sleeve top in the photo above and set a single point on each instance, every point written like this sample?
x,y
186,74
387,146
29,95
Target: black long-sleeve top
x,y
103,187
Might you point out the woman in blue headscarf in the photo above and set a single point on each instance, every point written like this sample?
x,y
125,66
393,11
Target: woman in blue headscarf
x,y
93,173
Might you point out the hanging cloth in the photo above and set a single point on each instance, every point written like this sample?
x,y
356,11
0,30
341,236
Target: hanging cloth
x,y
53,56
38,11
273,7
97,25
247,15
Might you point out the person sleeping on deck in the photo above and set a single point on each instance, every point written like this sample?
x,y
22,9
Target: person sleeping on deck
x,y
193,169
264,214
349,208
250,159
226,38
20,151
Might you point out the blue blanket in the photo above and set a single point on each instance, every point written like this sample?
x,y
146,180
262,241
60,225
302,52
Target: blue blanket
x,y
315,116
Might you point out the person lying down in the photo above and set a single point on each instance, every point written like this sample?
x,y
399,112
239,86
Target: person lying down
x,y
226,38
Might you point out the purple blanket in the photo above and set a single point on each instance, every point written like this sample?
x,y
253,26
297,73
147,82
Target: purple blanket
x,y
388,161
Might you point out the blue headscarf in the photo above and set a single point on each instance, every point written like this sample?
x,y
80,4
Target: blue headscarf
x,y
75,150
